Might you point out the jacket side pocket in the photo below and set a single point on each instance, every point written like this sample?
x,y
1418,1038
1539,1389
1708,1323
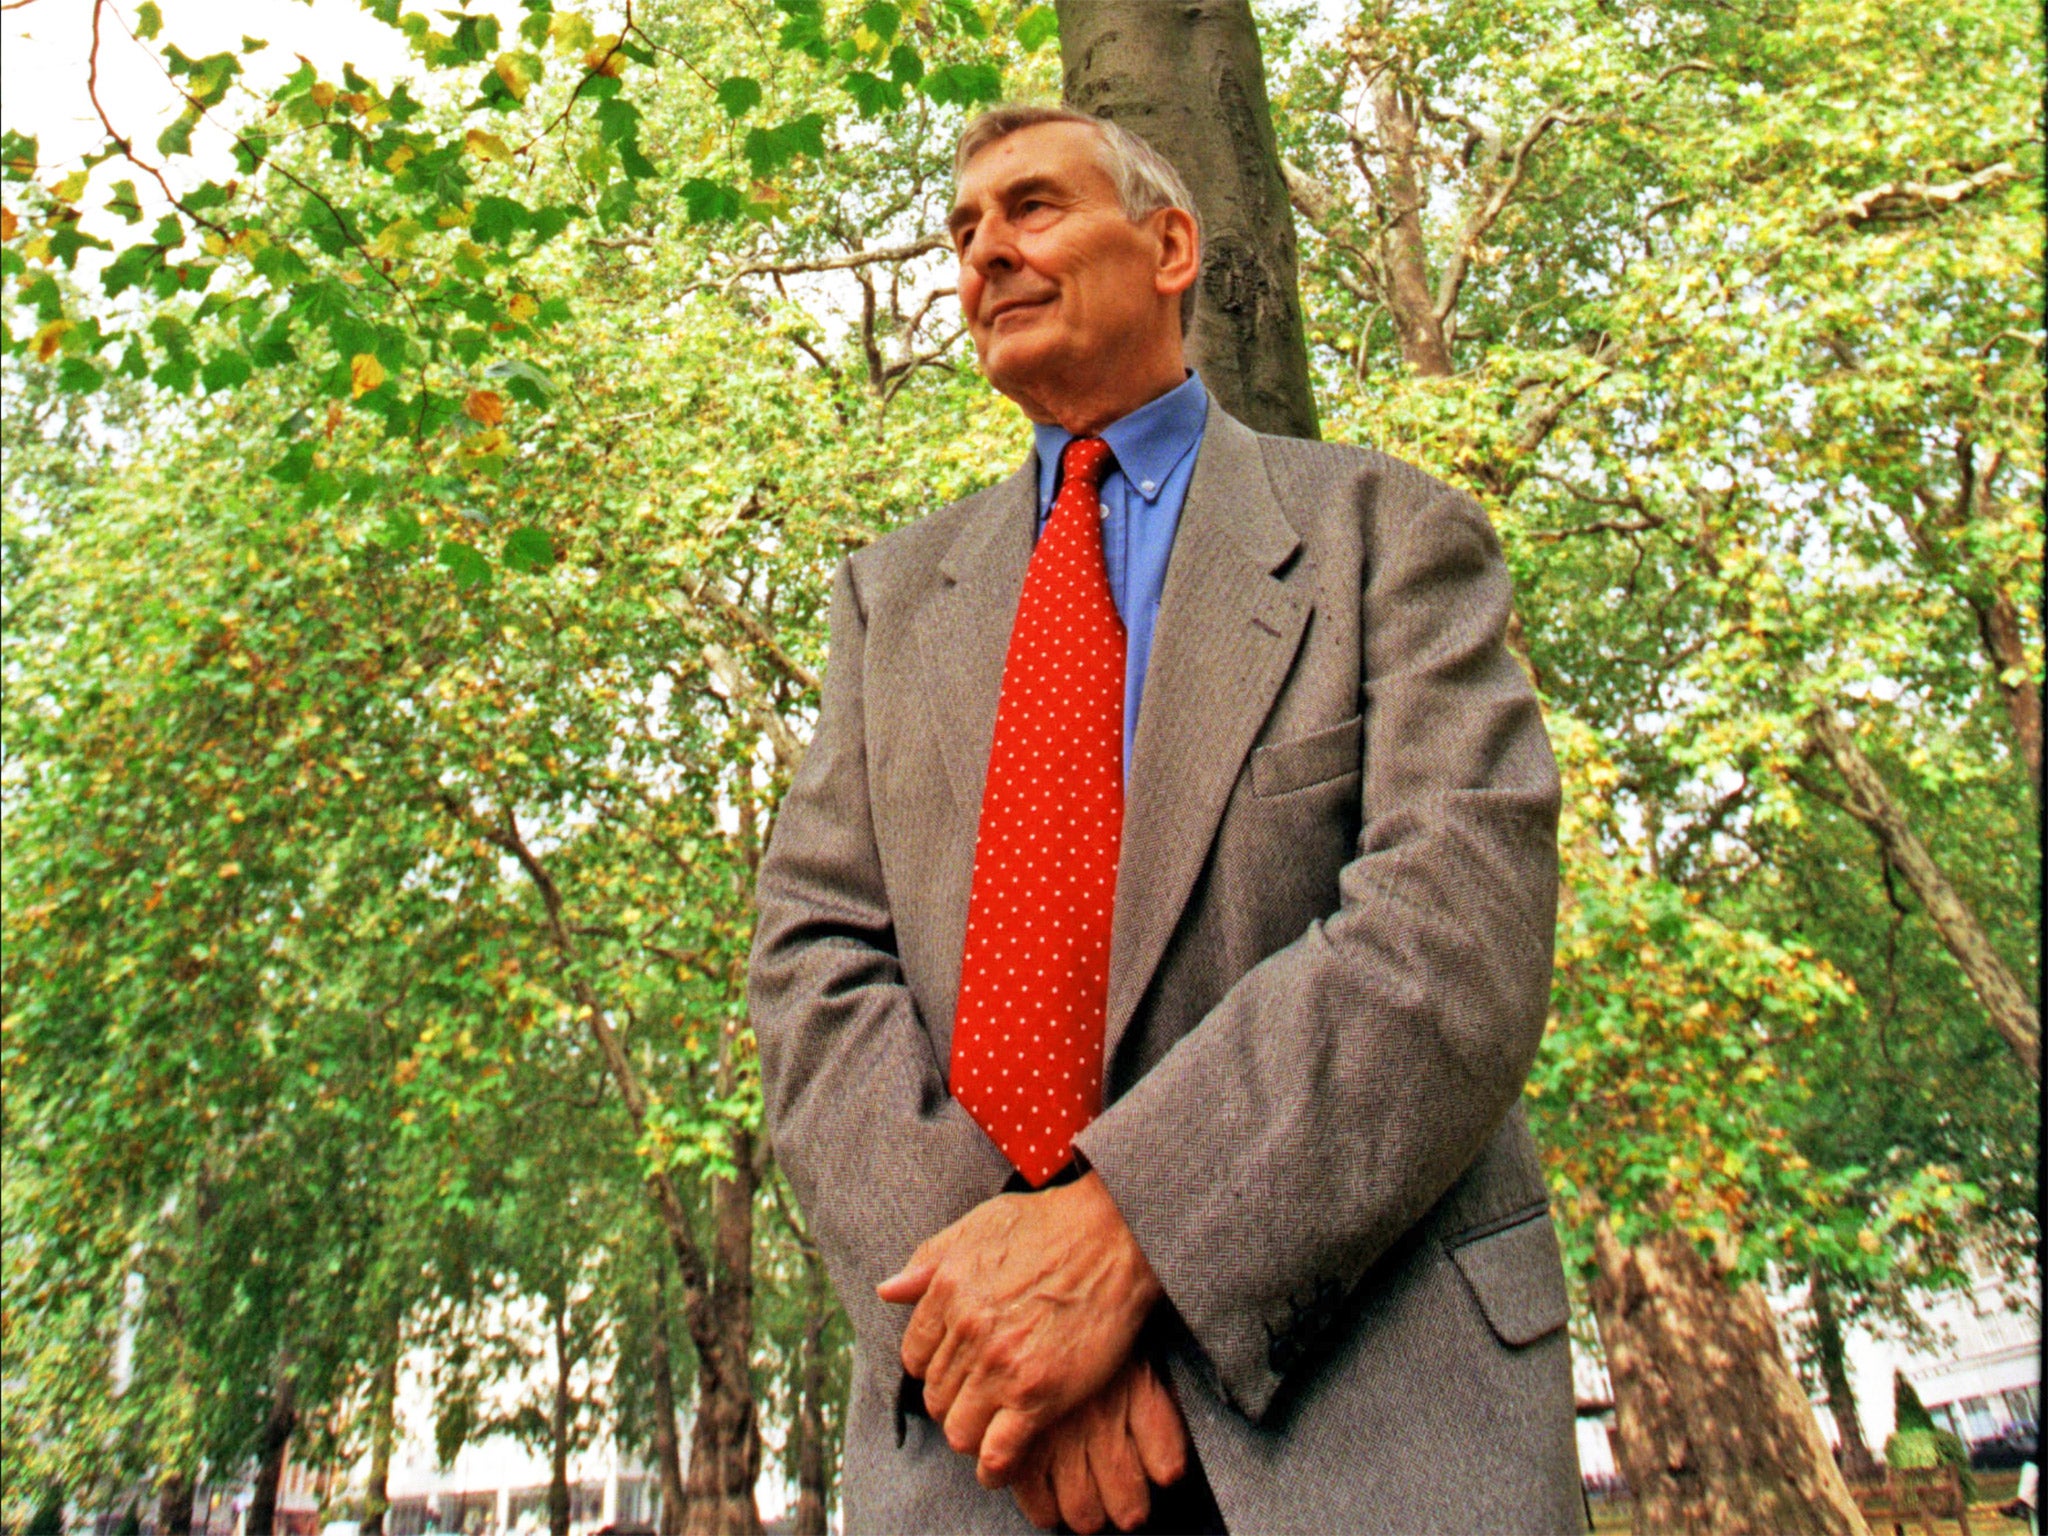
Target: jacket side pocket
x,y
1517,1276
1285,766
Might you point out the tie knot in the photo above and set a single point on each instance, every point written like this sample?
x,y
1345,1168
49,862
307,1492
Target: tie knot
x,y
1086,459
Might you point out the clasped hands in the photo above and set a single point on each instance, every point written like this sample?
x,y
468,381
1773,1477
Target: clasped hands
x,y
1027,1312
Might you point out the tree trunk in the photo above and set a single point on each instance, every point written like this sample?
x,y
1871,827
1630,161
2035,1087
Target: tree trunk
x,y
270,1453
1998,619
1870,801
1409,301
810,1410
174,1503
668,1451
725,1441
1188,79
1858,1465
383,1427
558,1425
1716,1437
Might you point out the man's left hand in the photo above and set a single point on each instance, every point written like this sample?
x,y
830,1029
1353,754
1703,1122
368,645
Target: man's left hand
x,y
1026,1307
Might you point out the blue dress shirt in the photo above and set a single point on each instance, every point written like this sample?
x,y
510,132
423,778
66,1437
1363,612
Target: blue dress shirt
x,y
1141,501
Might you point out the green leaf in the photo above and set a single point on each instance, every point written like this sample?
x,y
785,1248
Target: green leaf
x,y
872,94
905,67
963,84
77,376
465,563
177,374
401,529
148,19
965,15
739,95
498,219
529,549
295,466
177,139
804,32
1036,27
298,82
17,155
710,202
766,149
618,121
224,370
807,134
880,18
125,203
523,381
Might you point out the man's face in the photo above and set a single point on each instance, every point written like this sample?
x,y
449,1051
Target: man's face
x,y
1055,283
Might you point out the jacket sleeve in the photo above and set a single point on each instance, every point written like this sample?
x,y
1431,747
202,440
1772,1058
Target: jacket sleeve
x,y
878,1152
1344,1083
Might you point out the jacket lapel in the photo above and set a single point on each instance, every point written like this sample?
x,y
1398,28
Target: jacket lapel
x,y
964,645
1226,636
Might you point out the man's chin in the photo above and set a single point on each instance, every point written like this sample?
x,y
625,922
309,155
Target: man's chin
x,y
1020,369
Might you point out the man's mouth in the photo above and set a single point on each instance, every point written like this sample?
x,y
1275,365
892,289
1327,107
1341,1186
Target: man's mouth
x,y
1014,306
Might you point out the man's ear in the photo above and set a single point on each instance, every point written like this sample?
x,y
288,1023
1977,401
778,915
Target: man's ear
x,y
1180,260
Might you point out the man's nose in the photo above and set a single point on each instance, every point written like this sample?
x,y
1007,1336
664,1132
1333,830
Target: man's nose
x,y
994,246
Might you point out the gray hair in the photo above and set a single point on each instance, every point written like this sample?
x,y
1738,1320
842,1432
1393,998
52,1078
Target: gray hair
x,y
1145,180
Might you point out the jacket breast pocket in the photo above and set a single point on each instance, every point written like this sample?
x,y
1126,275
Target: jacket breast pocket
x,y
1285,766
1517,1276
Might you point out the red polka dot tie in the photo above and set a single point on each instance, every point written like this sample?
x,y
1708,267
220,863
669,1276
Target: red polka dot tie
x,y
1034,984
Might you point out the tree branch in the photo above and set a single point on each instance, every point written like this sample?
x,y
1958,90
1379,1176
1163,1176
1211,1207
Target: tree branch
x,y
842,263
1900,200
1483,217
1870,801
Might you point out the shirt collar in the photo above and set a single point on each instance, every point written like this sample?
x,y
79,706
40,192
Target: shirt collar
x,y
1149,443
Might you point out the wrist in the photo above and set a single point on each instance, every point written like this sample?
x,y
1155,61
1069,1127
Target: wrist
x,y
1139,1283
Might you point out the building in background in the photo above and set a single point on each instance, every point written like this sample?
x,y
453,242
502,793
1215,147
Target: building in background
x,y
1979,1375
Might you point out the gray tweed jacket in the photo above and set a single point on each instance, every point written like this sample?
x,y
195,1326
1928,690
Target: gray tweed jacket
x,y
1330,969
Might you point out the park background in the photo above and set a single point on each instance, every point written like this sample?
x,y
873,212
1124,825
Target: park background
x,y
429,436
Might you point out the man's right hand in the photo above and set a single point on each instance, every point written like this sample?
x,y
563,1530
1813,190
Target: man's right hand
x,y
1100,1463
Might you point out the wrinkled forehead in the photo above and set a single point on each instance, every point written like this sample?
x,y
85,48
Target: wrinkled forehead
x,y
1041,157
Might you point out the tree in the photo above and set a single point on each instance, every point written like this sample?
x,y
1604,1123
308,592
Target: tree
x,y
1588,264
1132,62
388,743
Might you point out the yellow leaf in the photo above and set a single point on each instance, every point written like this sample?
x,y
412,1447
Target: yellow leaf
x,y
485,146
570,32
522,307
365,373
37,249
230,870
485,407
511,73
324,95
71,188
448,218
600,57
215,246
483,444
8,223
398,158
50,337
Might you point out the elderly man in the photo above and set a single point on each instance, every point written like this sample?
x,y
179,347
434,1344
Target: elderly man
x,y
1156,937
